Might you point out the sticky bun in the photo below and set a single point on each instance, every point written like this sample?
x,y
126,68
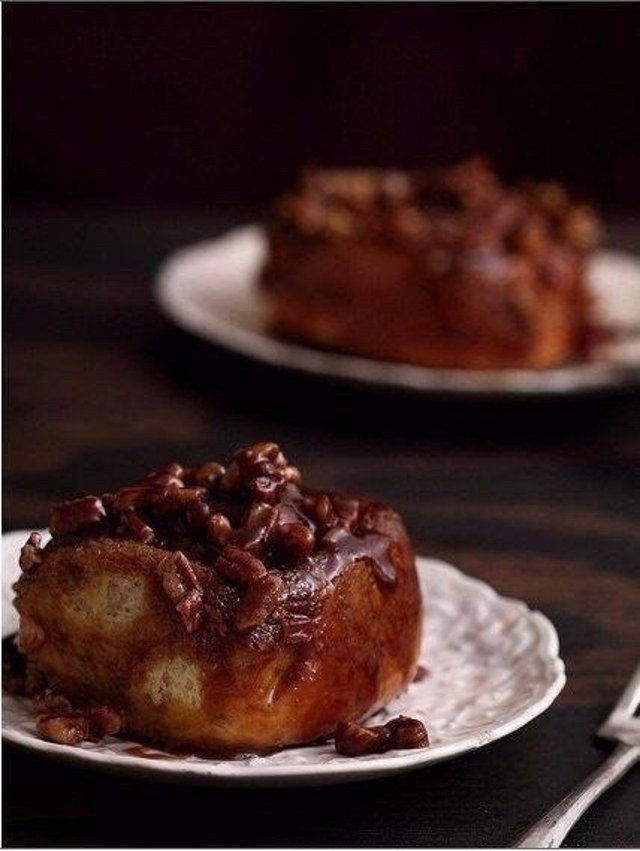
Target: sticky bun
x,y
224,609
444,268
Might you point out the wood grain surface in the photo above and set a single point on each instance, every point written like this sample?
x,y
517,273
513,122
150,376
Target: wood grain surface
x,y
540,499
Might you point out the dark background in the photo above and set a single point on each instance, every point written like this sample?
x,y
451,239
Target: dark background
x,y
211,104
132,130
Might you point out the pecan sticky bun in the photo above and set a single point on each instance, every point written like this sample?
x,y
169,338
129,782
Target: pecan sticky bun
x,y
226,609
448,268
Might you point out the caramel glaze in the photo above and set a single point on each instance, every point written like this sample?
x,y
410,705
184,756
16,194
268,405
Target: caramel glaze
x,y
235,527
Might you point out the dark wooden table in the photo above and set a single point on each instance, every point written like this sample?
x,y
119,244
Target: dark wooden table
x,y
539,499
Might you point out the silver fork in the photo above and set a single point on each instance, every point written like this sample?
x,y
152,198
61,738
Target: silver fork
x,y
622,727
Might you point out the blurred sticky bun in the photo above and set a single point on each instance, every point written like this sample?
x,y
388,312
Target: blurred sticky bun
x,y
444,268
230,610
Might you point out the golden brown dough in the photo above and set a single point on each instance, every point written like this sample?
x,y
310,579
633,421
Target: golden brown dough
x,y
227,610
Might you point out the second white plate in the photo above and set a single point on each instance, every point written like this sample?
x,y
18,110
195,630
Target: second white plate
x,y
210,290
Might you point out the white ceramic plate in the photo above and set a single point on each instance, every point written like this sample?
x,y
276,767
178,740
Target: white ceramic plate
x,y
210,290
493,666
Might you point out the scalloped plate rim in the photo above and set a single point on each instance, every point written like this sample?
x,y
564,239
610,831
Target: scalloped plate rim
x,y
239,773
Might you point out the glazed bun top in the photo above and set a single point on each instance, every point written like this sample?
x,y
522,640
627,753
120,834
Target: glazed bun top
x,y
450,215
248,547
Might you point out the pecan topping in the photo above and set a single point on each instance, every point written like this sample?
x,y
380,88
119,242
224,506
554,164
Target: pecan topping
x,y
69,517
296,539
183,589
239,566
218,529
209,474
140,529
260,601
190,609
407,733
261,470
243,536
263,589
31,552
353,739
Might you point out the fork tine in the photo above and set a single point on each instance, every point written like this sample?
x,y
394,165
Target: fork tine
x,y
630,697
623,712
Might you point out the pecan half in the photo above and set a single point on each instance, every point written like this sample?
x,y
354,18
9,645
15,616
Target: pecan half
x,y
63,729
181,585
69,517
31,552
218,529
239,566
296,540
142,531
261,600
351,739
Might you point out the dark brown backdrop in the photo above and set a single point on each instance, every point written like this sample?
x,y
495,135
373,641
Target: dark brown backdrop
x,y
210,104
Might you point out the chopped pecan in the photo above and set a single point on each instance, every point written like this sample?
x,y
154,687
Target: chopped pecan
x,y
324,511
292,474
136,496
254,536
351,739
69,517
261,470
209,474
59,722
177,575
63,729
190,609
31,552
239,566
407,733
175,498
296,540
183,588
198,513
218,529
346,508
260,600
175,470
140,529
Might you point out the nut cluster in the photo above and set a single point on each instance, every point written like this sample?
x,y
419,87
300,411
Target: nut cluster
x,y
400,733
250,527
443,211
58,721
